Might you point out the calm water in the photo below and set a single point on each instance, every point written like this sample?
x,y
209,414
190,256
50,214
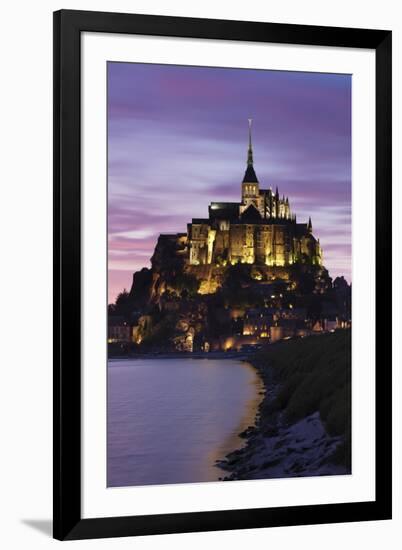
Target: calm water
x,y
170,419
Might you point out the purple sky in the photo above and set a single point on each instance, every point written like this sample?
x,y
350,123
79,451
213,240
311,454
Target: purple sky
x,y
177,140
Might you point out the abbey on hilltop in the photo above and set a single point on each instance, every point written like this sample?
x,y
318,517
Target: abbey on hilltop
x,y
261,229
245,273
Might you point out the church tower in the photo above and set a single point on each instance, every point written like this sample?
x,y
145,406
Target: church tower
x,y
250,188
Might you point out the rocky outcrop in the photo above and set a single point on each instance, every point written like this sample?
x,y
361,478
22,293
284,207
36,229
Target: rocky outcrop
x,y
141,288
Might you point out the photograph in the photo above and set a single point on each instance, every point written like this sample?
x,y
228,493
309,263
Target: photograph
x,y
204,231
229,225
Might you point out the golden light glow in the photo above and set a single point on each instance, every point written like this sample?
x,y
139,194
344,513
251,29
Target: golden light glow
x,y
229,343
208,287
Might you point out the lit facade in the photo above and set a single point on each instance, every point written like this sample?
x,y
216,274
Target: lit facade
x,y
259,230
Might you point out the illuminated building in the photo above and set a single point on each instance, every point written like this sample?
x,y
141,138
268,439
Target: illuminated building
x,y
259,230
119,331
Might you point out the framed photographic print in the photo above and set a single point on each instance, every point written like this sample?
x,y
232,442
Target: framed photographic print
x,y
218,187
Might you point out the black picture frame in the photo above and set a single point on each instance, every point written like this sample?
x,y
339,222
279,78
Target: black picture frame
x,y
68,26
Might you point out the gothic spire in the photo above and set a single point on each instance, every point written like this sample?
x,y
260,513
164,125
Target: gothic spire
x,y
250,175
310,226
250,146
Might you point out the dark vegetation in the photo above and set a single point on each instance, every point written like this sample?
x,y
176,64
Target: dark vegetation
x,y
122,305
184,285
159,334
313,374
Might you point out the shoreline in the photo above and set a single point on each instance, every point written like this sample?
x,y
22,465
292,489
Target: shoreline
x,y
241,356
235,440
274,448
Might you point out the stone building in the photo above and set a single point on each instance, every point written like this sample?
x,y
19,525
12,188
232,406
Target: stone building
x,y
119,331
260,230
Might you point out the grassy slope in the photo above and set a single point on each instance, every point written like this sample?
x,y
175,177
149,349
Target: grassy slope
x,y
314,374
